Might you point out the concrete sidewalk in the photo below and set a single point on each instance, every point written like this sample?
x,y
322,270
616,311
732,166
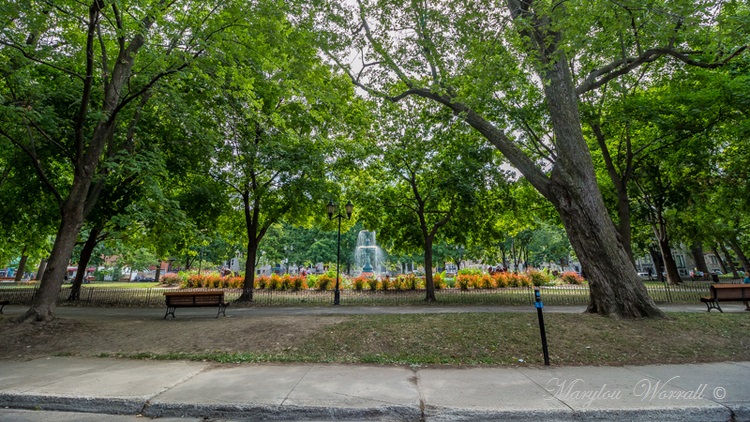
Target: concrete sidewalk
x,y
701,392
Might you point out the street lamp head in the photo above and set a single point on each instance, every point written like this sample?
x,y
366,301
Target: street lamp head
x,y
331,208
349,208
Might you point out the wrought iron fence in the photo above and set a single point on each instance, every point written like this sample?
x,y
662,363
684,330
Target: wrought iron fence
x,y
662,293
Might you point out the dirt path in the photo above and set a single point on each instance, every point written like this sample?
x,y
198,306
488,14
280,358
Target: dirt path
x,y
96,331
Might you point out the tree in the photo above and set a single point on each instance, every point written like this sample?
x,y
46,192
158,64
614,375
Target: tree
x,y
27,217
273,123
515,75
430,172
658,195
74,100
131,182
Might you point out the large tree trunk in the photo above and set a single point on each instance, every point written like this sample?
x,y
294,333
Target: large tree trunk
x,y
158,273
83,262
45,300
614,284
615,288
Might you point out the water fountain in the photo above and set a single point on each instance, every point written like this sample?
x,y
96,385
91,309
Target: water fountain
x,y
368,257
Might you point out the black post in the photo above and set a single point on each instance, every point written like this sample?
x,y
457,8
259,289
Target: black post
x,y
337,293
331,209
539,305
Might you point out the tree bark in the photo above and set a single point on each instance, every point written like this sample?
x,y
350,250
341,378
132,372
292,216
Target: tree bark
x,y
255,233
21,266
723,266
42,268
83,262
673,275
615,289
158,273
249,281
700,261
429,282
729,260
659,227
737,248
45,300
656,258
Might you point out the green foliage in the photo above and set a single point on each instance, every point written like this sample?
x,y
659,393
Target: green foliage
x,y
571,277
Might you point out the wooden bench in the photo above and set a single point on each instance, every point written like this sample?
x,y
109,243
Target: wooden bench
x,y
195,299
726,293
2,305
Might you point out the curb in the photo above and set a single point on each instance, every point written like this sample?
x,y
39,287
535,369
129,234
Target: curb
x,y
284,412
739,411
110,406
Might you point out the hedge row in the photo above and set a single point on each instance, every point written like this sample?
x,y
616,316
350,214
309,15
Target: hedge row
x,y
466,279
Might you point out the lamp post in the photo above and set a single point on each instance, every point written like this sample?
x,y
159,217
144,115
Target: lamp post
x,y
288,250
331,208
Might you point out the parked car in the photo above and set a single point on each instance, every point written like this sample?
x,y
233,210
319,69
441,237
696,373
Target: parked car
x,y
644,275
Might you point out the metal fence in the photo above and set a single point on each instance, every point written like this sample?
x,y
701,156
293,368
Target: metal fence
x,y
662,293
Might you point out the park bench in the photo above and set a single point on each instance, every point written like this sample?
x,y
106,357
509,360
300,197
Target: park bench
x,y
726,293
195,299
2,305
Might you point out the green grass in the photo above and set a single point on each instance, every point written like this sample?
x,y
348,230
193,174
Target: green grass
x,y
93,284
506,339
118,284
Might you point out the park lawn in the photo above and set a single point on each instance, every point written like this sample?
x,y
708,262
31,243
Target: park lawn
x,y
510,339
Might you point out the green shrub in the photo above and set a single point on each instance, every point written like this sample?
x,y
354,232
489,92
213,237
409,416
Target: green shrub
x,y
385,283
298,283
234,282
171,279
571,277
464,281
439,280
326,282
360,282
399,283
539,278
262,282
470,271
